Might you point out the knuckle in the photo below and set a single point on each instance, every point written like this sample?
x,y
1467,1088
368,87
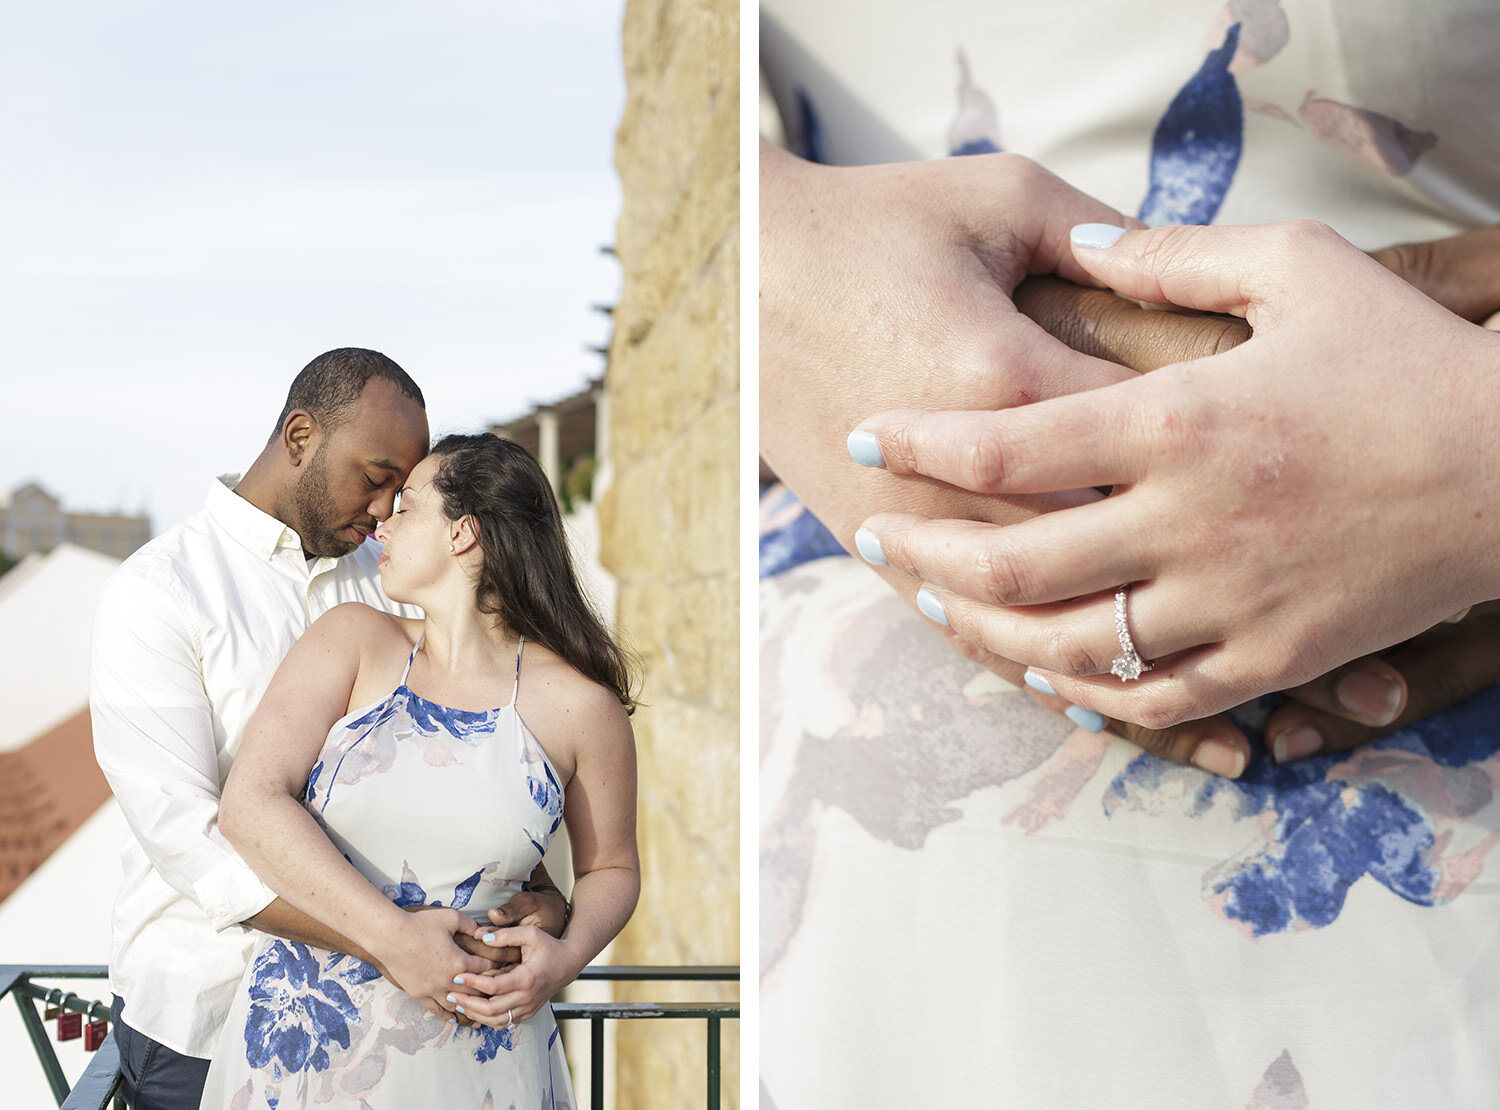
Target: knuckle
x,y
1160,712
1296,236
999,576
987,461
1068,653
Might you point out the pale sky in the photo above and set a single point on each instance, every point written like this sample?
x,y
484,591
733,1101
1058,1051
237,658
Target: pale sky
x,y
196,199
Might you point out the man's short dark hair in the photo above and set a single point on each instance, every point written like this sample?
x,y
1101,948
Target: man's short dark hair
x,y
328,386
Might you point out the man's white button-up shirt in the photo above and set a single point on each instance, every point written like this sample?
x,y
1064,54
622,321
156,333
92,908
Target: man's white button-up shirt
x,y
187,635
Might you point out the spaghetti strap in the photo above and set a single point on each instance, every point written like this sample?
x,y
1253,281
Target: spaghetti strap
x,y
517,688
410,659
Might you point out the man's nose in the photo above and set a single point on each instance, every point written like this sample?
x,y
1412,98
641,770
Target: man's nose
x,y
383,505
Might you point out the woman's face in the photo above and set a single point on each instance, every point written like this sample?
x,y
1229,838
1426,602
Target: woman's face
x,y
416,537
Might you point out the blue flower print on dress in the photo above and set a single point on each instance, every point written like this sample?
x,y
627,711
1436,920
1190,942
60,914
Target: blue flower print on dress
x,y
789,533
295,1013
542,784
492,1041
431,717
1197,145
976,127
1383,810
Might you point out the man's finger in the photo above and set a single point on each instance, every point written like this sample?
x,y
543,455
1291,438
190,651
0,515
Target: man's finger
x,y
1440,668
1461,273
1105,325
1368,691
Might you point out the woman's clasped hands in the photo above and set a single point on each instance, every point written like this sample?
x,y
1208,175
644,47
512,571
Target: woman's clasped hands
x,y
1324,490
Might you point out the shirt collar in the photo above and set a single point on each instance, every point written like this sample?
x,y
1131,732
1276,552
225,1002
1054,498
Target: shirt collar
x,y
258,531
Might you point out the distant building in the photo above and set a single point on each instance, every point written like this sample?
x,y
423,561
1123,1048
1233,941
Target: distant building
x,y
32,521
562,434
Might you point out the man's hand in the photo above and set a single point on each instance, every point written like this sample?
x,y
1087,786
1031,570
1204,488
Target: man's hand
x,y
518,992
543,907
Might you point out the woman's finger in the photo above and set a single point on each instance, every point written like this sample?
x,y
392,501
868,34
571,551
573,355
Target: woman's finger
x,y
1176,690
1075,638
1066,443
1054,557
1216,269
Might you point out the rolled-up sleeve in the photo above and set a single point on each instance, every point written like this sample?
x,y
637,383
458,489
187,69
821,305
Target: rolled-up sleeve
x,y
154,740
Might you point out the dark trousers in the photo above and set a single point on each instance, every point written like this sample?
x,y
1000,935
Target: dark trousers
x,y
156,1078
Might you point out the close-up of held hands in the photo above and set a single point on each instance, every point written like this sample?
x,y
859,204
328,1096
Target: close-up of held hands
x,y
906,285
1323,490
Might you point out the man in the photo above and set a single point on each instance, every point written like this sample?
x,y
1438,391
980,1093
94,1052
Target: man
x,y
187,635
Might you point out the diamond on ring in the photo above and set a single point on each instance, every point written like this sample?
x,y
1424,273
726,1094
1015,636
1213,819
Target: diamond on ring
x,y
1128,665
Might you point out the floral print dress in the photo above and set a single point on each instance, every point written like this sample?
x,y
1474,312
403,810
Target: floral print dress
x,y
314,1027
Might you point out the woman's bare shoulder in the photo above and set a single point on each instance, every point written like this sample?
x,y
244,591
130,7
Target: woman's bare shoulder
x,y
559,701
363,625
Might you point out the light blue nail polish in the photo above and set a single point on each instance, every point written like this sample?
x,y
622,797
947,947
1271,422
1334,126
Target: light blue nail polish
x,y
488,938
1096,235
864,449
868,546
1039,684
453,1021
1084,718
931,607
453,998
459,979
461,1010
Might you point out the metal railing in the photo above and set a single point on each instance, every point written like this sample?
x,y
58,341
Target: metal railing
x,y
99,1086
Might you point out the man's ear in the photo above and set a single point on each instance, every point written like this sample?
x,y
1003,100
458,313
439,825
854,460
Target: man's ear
x,y
297,435
463,534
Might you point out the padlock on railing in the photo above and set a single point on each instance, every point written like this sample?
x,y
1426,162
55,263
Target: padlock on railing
x,y
52,1009
94,1033
69,1026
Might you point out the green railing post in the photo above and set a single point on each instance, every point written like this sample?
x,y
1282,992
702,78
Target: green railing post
x,y
596,1063
43,1046
713,1063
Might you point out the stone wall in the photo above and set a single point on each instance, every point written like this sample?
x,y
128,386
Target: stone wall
x,y
669,521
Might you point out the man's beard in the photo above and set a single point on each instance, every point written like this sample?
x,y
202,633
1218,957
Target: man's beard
x,y
313,511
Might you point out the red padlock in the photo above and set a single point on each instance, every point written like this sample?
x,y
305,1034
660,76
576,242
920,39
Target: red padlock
x,y
69,1026
94,1033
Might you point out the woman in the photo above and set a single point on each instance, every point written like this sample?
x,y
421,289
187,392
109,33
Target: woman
x,y
376,778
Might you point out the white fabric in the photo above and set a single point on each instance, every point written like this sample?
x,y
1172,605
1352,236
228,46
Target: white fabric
x,y
187,635
313,1027
1081,85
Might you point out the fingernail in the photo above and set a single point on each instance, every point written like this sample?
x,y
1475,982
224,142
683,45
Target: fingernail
x,y
868,545
931,607
1370,696
1095,235
1040,684
453,1021
461,1010
488,938
865,449
459,979
1218,758
1296,743
453,998
1084,718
